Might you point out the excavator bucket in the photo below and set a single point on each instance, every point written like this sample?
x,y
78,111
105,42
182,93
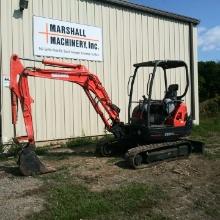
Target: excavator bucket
x,y
30,164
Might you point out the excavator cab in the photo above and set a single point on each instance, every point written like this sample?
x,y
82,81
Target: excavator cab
x,y
164,119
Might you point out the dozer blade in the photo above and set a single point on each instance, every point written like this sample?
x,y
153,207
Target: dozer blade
x,y
30,164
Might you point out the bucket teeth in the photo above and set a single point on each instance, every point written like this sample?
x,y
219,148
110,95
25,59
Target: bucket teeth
x,y
30,164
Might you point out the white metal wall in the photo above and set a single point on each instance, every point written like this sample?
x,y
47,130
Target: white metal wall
x,y
62,110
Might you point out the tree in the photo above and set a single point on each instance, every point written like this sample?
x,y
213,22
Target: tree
x,y
209,80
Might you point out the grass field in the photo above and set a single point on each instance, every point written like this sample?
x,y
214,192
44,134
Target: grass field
x,y
209,132
209,126
67,200
90,187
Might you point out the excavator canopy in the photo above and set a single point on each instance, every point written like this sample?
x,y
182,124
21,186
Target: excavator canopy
x,y
165,64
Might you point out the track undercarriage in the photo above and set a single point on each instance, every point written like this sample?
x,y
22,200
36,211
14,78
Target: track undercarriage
x,y
142,155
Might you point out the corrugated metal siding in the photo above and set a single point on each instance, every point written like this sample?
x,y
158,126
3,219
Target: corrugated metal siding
x,y
62,110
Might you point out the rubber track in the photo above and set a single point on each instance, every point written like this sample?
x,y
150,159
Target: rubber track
x,y
144,148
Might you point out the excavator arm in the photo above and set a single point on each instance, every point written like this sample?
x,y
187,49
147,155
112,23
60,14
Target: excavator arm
x,y
28,161
75,73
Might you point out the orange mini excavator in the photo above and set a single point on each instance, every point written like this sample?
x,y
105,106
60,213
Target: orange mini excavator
x,y
155,128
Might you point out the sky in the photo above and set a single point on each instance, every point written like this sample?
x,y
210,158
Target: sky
x,y
207,11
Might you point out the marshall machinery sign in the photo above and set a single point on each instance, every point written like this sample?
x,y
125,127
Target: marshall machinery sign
x,y
66,40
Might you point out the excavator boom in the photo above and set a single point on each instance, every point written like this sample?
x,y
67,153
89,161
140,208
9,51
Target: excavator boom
x,y
29,163
75,73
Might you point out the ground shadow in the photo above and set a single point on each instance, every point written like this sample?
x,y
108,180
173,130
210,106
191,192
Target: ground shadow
x,y
123,164
50,155
13,170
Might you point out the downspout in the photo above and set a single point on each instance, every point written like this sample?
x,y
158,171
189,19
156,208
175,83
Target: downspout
x,y
191,52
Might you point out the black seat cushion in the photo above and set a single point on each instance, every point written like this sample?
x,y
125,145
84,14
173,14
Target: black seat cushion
x,y
172,92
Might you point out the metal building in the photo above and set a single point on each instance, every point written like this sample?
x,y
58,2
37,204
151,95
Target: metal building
x,y
131,33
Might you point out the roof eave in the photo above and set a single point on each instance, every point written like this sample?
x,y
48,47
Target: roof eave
x,y
152,11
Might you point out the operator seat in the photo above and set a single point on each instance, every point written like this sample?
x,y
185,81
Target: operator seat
x,y
172,92
170,98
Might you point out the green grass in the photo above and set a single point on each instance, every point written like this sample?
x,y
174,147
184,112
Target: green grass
x,y
66,200
212,154
12,151
79,142
208,132
85,141
209,126
114,160
210,208
42,150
